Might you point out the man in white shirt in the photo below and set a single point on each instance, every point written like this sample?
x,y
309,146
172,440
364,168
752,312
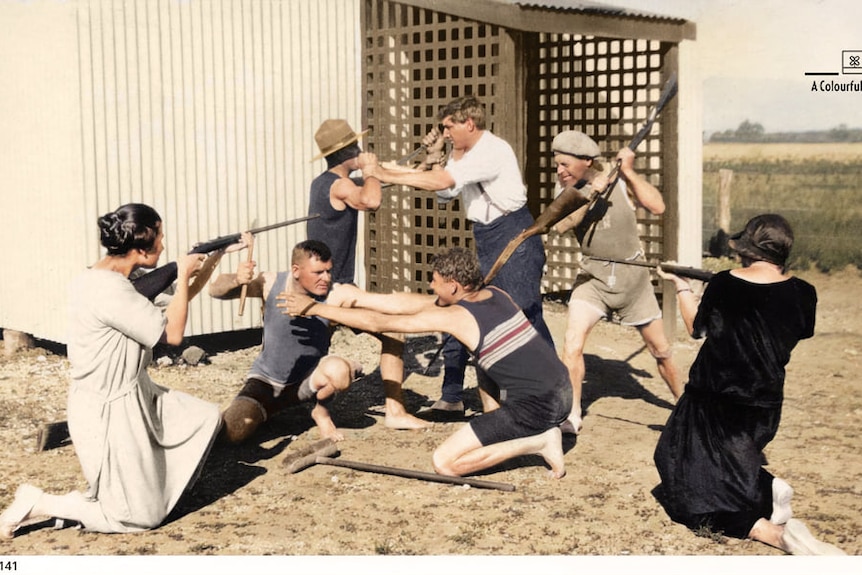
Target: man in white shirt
x,y
483,169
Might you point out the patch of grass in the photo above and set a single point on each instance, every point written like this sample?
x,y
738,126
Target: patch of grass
x,y
707,532
385,548
464,538
203,549
816,188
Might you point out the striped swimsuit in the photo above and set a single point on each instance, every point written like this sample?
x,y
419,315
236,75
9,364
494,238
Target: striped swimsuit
x,y
519,368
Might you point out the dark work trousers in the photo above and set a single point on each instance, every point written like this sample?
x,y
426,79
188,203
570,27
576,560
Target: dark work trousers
x,y
520,277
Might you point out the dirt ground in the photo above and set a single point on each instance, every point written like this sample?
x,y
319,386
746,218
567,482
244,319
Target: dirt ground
x,y
246,505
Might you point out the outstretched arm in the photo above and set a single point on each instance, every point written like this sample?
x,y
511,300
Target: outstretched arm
x,y
178,309
431,180
451,319
688,302
229,286
348,295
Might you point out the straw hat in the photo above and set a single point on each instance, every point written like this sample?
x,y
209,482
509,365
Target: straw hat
x,y
333,135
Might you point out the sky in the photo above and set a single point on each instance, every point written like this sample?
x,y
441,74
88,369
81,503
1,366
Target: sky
x,y
754,54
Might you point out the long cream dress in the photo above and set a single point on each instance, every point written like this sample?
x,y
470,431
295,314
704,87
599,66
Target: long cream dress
x,y
140,444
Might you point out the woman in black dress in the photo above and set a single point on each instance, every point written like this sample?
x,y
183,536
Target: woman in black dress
x,y
710,454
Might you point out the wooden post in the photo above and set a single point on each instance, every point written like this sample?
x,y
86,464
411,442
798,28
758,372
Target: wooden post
x,y
722,214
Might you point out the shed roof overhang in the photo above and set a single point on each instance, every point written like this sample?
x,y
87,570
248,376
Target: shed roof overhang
x,y
566,17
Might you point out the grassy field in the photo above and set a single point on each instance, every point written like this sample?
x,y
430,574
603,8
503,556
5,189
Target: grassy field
x,y
817,187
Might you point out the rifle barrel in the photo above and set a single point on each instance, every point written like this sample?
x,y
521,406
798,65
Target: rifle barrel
x,y
285,223
224,241
681,271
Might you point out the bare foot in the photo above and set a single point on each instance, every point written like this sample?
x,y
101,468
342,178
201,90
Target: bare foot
x,y
325,425
552,452
26,497
330,432
405,420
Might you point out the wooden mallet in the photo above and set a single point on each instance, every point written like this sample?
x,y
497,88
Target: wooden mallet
x,y
321,453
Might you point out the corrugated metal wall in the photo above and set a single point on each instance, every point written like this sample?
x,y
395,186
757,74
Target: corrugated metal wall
x,y
205,109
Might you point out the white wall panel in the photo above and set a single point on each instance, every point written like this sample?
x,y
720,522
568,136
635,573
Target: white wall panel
x,y
205,109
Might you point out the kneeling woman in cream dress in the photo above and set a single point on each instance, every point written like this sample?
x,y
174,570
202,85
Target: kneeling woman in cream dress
x,y
139,444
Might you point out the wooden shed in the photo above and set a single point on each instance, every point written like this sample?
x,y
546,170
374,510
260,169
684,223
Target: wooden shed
x,y
539,67
206,109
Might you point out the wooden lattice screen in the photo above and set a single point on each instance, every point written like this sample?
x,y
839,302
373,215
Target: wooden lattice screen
x,y
415,61
604,88
533,85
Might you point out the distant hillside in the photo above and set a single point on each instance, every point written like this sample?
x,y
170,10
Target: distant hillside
x,y
752,132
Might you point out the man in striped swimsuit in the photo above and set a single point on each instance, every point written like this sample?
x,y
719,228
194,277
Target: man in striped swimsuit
x,y
518,370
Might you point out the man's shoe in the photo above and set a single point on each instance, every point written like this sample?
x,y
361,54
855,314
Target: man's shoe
x,y
441,405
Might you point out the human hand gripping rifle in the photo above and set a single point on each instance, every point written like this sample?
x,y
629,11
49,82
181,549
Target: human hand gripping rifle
x,y
155,282
571,200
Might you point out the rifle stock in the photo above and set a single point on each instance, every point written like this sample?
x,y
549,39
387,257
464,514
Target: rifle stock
x,y
562,206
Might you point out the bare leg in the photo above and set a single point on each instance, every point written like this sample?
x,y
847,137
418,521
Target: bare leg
x,y
582,318
489,393
392,373
333,374
656,341
462,454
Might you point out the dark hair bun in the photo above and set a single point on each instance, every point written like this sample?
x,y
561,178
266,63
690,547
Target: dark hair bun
x,y
132,226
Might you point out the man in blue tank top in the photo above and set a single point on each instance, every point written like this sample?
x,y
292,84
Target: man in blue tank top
x,y
520,375
337,199
294,364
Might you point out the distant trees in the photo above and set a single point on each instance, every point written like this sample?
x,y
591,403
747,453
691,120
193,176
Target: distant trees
x,y
749,131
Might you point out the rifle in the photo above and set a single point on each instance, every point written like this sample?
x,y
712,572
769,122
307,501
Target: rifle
x,y
681,271
155,282
56,434
225,241
570,199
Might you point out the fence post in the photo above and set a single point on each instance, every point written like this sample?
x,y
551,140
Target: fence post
x,y
722,213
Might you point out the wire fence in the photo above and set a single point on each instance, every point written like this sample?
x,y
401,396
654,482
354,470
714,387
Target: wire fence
x,y
823,203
